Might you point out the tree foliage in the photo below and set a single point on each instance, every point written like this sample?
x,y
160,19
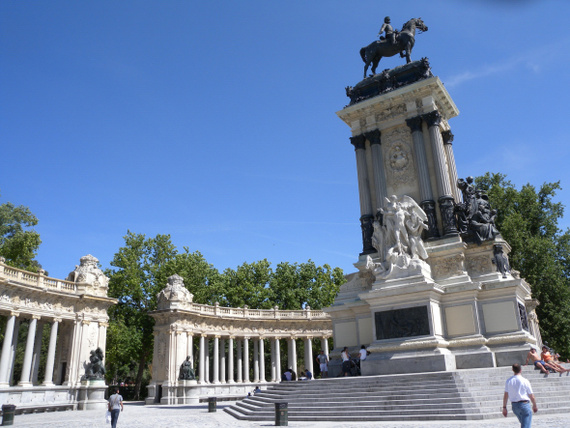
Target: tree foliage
x,y
528,220
19,242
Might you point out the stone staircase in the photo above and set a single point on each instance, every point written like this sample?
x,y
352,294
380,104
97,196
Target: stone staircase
x,y
460,395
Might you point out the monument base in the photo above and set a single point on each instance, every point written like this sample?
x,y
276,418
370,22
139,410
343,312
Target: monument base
x,y
91,395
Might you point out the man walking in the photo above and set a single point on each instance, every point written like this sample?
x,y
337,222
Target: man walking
x,y
519,391
115,407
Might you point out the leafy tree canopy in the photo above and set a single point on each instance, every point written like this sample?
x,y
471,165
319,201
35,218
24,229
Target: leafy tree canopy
x,y
19,242
528,220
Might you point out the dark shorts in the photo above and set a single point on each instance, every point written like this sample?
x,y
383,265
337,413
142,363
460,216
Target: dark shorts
x,y
538,362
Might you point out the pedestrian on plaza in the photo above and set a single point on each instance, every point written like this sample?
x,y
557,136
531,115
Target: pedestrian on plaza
x,y
519,391
345,355
323,362
115,407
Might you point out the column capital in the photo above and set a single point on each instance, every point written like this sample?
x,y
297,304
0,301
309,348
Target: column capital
x,y
414,123
36,317
373,136
203,335
433,118
358,141
189,333
57,320
103,324
85,322
14,314
447,137
246,338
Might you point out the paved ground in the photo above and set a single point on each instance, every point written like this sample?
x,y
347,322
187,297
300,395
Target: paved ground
x,y
138,416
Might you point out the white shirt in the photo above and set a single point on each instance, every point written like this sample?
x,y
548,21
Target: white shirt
x,y
518,388
344,356
363,354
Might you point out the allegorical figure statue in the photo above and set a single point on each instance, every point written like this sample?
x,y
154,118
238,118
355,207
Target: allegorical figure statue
x,y
395,43
397,235
501,260
186,370
474,215
388,30
94,369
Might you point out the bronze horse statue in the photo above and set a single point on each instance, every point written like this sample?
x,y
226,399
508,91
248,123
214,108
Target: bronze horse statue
x,y
373,53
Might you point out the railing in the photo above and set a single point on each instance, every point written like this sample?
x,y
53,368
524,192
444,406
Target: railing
x,y
37,280
260,314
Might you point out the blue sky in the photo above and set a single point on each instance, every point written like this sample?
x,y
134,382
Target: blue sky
x,y
215,121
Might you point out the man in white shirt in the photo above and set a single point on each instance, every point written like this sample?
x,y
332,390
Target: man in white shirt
x,y
519,391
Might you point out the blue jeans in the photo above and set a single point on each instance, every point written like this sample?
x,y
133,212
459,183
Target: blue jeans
x,y
523,412
115,417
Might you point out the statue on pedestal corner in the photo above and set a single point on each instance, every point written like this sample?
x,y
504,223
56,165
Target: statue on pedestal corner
x,y
186,370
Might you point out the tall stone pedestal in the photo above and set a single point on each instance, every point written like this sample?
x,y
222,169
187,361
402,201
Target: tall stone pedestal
x,y
451,309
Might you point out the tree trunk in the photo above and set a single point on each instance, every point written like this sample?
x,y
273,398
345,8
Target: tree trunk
x,y
138,381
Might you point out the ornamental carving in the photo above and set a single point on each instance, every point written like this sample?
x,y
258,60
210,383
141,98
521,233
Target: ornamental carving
x,y
398,157
391,112
88,274
174,292
448,266
479,265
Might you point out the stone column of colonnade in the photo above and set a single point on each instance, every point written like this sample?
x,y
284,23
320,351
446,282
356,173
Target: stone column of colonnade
x,y
426,196
366,209
32,352
227,367
445,197
447,140
380,191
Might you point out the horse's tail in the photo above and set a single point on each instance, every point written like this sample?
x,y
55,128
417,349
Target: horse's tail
x,y
363,54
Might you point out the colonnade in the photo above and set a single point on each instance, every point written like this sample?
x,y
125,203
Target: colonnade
x,y
32,353
231,359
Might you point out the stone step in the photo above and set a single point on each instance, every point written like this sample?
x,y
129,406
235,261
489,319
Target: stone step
x,y
462,395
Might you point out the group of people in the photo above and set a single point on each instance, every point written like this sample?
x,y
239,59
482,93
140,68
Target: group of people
x,y
519,390
347,362
546,362
290,375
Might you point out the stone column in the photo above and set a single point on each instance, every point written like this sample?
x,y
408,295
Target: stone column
x,y
262,360
27,365
190,347
231,360
377,168
6,359
366,210
222,360
216,363
273,367
447,140
256,361
445,198
239,366
292,353
37,352
277,360
13,348
246,359
202,357
325,345
309,354
426,195
48,378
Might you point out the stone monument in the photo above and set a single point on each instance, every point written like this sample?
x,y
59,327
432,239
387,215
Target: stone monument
x,y
433,289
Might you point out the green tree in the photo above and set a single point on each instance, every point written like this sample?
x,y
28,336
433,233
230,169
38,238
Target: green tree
x,y
247,285
141,269
528,220
19,242
293,286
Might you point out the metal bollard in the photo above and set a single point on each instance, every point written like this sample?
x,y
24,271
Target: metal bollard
x,y
8,411
212,404
281,414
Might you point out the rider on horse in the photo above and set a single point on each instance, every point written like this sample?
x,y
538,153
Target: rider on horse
x,y
387,28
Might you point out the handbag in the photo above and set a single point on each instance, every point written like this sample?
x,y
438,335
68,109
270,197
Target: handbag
x,y
108,417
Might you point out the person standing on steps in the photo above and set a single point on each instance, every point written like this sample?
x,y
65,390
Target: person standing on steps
x,y
519,391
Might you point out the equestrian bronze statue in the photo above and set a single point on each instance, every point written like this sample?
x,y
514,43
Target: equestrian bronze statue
x,y
404,43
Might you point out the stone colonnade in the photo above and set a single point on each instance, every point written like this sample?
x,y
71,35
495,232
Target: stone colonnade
x,y
75,313
231,349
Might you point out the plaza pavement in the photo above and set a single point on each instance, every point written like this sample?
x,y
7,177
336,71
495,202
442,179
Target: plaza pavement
x,y
136,415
